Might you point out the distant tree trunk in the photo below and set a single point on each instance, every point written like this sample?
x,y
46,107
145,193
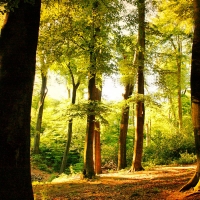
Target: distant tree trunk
x,y
148,132
43,92
124,128
179,87
70,123
18,43
97,144
178,51
195,95
139,131
68,93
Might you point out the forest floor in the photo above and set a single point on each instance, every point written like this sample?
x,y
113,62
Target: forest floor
x,y
157,183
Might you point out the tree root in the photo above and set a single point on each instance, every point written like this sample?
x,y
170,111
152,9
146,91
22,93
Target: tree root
x,y
193,194
136,170
191,183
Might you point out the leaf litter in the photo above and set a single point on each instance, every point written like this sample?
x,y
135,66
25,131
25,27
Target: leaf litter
x,y
158,183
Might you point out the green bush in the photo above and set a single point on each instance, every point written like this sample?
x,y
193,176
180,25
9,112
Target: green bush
x,y
166,149
186,158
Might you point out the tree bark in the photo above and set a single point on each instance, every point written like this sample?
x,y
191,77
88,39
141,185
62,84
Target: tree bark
x,y
123,129
43,92
180,115
88,155
70,123
97,144
178,52
140,113
18,43
148,132
195,94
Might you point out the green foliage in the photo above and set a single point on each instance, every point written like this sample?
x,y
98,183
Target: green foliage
x,y
74,169
165,149
110,136
186,158
50,158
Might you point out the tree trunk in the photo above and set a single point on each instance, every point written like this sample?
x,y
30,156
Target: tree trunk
x,y
195,95
139,134
123,129
70,123
148,132
43,92
18,44
178,52
69,133
88,155
97,144
179,86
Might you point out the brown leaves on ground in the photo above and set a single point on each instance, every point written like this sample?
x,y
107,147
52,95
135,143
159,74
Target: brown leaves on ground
x,y
155,184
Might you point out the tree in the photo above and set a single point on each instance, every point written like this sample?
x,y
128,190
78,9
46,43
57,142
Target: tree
x,y
195,95
18,43
70,123
124,128
43,92
101,20
88,155
140,113
172,38
97,141
128,66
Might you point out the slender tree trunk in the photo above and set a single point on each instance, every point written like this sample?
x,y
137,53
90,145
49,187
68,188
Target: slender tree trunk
x,y
18,43
179,86
70,124
43,92
139,131
178,51
97,143
123,129
195,95
148,132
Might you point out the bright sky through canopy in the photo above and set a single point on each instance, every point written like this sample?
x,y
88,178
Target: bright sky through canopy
x,y
112,90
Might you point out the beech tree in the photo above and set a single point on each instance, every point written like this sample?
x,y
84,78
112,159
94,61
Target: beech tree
x,y
140,112
75,86
43,92
172,36
18,43
97,140
102,18
128,67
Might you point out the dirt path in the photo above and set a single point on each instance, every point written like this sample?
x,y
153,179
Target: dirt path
x,y
155,184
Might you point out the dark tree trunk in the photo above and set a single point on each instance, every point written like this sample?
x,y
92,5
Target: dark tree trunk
x,y
43,92
18,44
88,155
195,94
123,129
139,134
